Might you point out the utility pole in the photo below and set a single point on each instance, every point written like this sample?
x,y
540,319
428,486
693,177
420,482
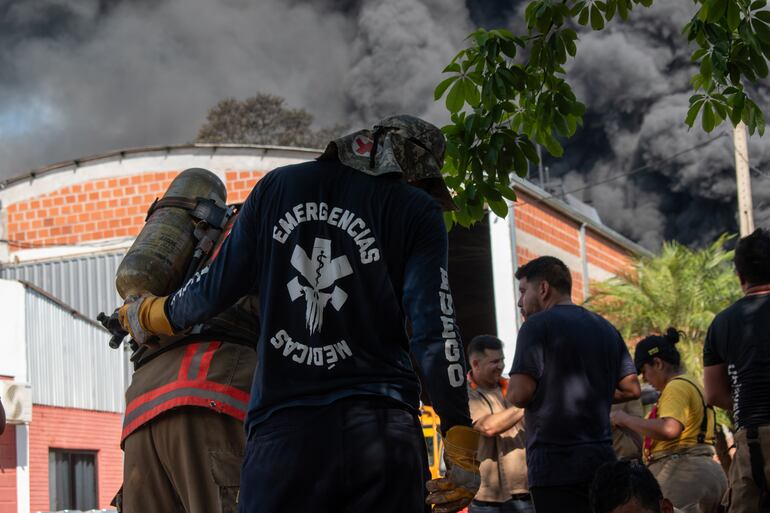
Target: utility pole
x,y
743,180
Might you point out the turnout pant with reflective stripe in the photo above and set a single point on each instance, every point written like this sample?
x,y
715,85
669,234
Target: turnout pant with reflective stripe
x,y
355,455
186,460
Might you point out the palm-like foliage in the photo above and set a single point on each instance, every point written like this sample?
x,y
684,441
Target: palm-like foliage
x,y
680,287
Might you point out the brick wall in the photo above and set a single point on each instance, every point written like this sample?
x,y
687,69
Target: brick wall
x,y
605,254
101,209
67,428
552,227
8,470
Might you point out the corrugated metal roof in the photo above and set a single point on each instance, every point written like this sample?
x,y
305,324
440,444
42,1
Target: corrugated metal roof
x,y
69,361
84,282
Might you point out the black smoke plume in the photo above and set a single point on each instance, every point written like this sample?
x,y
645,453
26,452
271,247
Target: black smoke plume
x,y
79,77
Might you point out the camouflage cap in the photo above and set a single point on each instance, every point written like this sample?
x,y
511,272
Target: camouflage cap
x,y
400,144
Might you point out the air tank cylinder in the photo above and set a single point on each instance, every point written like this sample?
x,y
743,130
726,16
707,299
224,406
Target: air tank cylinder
x,y
157,261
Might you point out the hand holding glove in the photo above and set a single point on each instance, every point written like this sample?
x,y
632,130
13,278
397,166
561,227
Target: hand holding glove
x,y
144,317
456,490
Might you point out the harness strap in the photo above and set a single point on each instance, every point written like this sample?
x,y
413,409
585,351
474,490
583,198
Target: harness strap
x,y
204,209
758,465
705,422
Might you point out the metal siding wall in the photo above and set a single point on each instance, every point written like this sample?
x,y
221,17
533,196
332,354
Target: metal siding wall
x,y
86,283
70,363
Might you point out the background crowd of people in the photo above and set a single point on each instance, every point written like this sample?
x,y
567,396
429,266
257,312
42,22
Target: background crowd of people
x,y
552,441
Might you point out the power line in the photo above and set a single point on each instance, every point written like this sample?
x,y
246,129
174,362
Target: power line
x,y
753,168
630,173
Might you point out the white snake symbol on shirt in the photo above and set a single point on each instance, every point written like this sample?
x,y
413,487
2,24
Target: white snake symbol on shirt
x,y
319,272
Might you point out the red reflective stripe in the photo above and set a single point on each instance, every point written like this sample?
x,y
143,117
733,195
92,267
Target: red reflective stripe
x,y
206,360
189,353
233,392
177,402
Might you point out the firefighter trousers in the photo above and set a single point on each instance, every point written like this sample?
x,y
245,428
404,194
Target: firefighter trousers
x,y
744,494
186,460
691,479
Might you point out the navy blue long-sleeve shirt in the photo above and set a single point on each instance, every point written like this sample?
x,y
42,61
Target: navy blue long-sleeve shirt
x,y
340,260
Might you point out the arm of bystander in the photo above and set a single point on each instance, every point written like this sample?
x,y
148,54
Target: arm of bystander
x,y
493,424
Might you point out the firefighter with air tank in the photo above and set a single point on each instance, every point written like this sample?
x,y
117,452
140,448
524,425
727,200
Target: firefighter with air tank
x,y
183,436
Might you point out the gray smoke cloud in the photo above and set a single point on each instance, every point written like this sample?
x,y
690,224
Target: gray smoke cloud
x,y
79,77
88,76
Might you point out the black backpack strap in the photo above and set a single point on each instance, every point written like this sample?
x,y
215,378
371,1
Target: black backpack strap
x,y
704,425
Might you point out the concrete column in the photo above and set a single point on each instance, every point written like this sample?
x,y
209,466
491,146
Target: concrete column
x,y
504,294
584,261
22,468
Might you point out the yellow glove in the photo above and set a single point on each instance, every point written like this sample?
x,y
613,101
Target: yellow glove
x,y
144,317
456,490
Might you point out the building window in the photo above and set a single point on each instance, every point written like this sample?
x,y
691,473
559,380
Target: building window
x,y
72,479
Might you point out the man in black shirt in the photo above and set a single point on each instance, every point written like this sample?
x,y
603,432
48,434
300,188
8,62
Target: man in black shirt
x,y
342,251
570,365
736,374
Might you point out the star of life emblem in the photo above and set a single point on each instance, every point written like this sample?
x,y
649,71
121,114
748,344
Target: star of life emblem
x,y
318,274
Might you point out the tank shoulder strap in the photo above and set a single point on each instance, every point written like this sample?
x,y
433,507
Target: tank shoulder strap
x,y
705,422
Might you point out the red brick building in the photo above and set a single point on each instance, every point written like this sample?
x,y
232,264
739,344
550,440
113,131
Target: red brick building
x,y
64,229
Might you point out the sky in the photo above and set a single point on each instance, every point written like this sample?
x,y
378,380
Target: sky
x,y
80,77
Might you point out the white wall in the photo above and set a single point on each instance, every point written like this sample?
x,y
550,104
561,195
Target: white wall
x,y
13,353
503,281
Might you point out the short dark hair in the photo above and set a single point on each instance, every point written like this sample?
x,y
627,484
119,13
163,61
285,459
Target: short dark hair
x,y
550,269
619,482
752,257
481,343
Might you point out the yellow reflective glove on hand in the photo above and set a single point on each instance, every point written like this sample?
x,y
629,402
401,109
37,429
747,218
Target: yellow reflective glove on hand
x,y
456,490
145,317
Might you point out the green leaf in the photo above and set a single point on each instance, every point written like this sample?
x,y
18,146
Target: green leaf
x,y
758,4
488,192
717,10
453,67
456,97
508,48
623,9
506,192
442,87
762,31
529,150
733,14
762,15
553,146
577,8
692,113
499,207
706,69
759,63
708,118
597,20
470,92
583,18
609,13
696,56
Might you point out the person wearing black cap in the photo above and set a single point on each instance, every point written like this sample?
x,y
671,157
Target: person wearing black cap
x,y
679,431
